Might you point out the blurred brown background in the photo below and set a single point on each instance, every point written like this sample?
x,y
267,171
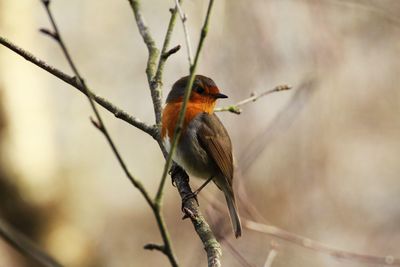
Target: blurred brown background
x,y
320,160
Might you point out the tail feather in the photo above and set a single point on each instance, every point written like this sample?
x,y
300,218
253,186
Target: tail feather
x,y
233,213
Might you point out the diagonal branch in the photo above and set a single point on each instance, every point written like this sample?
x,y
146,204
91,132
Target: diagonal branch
x,y
319,247
119,113
26,246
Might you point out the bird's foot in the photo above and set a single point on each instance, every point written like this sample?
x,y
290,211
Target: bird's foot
x,y
189,196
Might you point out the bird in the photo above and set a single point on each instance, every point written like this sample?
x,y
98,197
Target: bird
x,y
204,148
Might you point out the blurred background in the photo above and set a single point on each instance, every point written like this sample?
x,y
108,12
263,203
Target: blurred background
x,y
320,160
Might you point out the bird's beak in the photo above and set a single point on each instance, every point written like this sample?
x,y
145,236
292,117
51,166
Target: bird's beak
x,y
219,95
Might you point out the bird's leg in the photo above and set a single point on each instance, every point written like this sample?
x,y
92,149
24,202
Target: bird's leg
x,y
174,170
194,194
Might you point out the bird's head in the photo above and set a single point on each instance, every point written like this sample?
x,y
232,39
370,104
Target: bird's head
x,y
204,92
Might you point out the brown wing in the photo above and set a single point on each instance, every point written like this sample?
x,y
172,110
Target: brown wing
x,y
214,139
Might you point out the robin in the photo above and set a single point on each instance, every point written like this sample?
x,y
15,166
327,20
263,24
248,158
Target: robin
x,y
204,148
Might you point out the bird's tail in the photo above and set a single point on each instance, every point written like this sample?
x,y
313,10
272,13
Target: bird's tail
x,y
233,212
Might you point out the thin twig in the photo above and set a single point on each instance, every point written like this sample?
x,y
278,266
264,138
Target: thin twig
x,y
185,31
26,246
319,247
242,260
171,52
147,38
236,107
155,247
271,257
119,113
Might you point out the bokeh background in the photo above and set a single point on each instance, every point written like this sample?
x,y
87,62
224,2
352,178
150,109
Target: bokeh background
x,y
321,160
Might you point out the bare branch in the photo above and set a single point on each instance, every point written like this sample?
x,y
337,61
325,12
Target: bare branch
x,y
319,247
271,254
185,31
119,113
25,246
254,97
147,38
151,69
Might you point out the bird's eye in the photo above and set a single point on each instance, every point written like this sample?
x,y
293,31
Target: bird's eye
x,y
198,89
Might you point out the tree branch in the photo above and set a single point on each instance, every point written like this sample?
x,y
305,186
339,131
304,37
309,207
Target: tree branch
x,y
152,58
192,211
254,97
156,83
185,31
147,38
319,247
271,257
119,113
26,246
99,124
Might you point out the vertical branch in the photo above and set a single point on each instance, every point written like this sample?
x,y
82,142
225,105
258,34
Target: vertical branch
x,y
185,31
152,59
147,38
156,83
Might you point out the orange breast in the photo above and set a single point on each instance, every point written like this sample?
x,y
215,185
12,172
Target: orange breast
x,y
171,114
